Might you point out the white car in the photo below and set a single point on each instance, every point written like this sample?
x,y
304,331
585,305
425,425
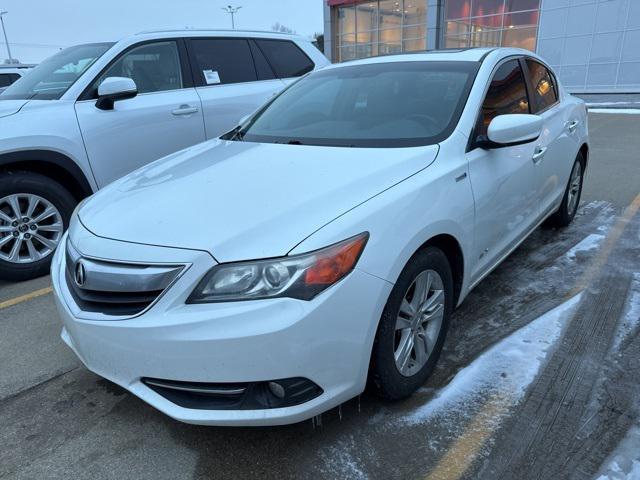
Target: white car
x,y
11,73
92,113
263,277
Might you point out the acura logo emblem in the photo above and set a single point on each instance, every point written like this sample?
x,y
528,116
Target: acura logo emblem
x,y
80,274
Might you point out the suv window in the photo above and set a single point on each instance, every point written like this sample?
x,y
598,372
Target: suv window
x,y
544,88
285,57
5,80
507,94
223,61
263,68
155,67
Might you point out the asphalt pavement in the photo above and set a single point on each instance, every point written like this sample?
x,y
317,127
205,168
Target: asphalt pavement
x,y
538,378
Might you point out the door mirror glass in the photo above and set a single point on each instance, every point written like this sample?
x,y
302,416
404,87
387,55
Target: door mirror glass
x,y
513,129
113,89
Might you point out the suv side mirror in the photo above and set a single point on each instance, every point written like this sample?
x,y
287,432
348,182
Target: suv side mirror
x,y
113,89
510,130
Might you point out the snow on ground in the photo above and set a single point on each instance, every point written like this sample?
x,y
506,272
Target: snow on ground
x,y
504,371
621,111
630,321
590,242
624,462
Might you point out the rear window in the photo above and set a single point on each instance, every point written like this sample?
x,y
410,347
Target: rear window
x,y
285,57
223,61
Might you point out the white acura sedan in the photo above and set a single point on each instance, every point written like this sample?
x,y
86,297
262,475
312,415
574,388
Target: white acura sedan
x,y
264,277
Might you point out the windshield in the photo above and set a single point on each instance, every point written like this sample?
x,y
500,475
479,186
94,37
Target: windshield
x,y
392,104
53,77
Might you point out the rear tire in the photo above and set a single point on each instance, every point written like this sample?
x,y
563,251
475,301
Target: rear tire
x,y
390,376
571,199
29,238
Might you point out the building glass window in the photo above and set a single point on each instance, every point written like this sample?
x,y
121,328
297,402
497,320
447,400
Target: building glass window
x,y
380,27
491,23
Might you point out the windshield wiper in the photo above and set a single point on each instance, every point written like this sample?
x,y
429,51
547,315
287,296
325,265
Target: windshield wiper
x,y
235,134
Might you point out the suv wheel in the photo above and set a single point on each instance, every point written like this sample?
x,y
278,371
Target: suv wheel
x,y
34,213
413,326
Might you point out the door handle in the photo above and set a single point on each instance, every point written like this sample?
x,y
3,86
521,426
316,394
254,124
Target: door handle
x,y
572,126
185,110
538,154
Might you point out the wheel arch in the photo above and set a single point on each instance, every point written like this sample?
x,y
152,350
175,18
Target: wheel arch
x,y
452,249
584,150
54,165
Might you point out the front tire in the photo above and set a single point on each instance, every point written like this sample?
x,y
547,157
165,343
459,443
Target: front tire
x,y
571,199
34,213
413,326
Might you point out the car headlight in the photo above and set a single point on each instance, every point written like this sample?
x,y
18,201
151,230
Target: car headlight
x,y
299,276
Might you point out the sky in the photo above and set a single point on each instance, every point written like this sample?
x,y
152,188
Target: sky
x,y
39,28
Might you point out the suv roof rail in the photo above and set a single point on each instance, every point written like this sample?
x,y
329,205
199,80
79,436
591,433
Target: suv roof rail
x,y
220,30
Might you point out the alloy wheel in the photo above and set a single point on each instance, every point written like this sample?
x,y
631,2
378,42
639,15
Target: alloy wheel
x,y
575,184
30,228
418,322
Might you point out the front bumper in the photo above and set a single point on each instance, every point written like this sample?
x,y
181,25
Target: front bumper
x,y
327,340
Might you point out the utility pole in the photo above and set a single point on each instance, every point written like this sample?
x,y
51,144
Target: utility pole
x,y
232,11
4,31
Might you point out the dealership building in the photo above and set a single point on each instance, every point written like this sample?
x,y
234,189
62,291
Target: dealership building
x,y
594,45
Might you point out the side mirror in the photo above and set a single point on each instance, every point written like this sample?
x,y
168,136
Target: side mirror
x,y
511,130
113,89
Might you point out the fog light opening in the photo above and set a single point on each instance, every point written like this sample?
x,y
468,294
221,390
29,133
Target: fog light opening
x,y
277,390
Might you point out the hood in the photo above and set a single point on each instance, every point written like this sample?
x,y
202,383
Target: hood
x,y
242,200
10,107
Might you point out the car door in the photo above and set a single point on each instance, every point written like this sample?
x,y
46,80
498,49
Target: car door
x,y
555,147
233,79
164,117
503,179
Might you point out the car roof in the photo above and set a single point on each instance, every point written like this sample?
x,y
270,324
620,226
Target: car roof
x,y
205,32
453,54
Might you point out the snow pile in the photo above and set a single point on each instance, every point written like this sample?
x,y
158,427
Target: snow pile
x,y
504,371
624,462
622,111
590,242
630,321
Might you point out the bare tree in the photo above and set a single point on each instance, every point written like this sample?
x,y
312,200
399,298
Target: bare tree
x,y
278,27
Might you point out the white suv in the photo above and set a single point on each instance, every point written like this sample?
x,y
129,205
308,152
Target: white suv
x,y
92,113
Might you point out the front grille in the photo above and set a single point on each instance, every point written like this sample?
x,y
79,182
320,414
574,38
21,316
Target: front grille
x,y
114,289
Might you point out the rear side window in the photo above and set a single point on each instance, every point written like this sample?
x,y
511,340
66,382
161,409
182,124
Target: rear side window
x,y
544,87
507,94
286,58
263,69
5,80
222,61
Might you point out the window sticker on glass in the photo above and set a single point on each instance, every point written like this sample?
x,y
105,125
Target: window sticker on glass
x,y
211,77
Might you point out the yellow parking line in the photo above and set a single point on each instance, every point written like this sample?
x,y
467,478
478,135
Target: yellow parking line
x,y
24,298
459,457
603,254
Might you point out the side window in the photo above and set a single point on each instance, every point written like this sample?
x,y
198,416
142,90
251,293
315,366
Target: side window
x,y
14,77
155,67
285,57
263,69
222,60
544,87
5,79
507,94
